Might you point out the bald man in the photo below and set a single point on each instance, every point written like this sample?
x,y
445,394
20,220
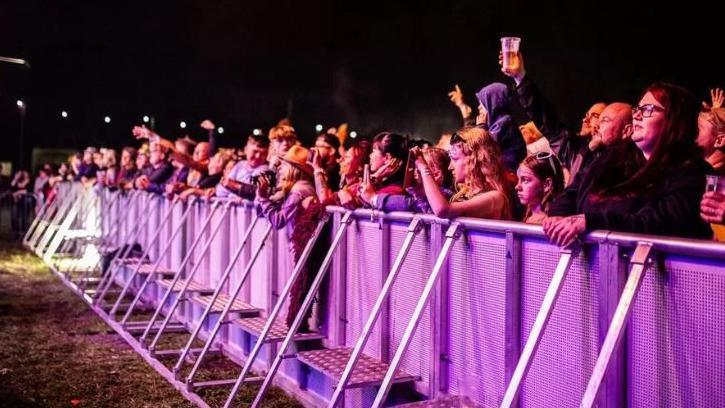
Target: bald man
x,y
614,124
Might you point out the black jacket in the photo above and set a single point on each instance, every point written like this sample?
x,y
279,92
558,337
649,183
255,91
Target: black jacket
x,y
670,208
571,149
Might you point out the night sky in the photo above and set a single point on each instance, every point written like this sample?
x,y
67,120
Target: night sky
x,y
375,64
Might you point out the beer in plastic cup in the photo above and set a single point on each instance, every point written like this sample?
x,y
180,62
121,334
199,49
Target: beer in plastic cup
x,y
509,49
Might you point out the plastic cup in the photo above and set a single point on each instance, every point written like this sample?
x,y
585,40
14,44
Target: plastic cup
x,y
714,183
509,49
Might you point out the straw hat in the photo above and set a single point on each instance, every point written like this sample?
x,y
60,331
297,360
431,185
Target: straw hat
x,y
298,156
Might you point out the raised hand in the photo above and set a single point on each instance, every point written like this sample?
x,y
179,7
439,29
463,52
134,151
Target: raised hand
x,y
515,69
716,96
456,96
208,125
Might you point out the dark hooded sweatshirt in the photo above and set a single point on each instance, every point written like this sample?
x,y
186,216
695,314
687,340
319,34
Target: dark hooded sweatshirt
x,y
496,98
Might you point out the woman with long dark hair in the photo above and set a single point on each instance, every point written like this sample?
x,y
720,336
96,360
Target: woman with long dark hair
x,y
650,185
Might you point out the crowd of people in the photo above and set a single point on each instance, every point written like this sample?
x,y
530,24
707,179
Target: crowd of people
x,y
634,168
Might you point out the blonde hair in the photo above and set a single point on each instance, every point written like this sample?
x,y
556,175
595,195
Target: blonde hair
x,y
288,176
716,117
484,167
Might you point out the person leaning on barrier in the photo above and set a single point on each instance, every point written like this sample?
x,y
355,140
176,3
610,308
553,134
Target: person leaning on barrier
x,y
540,181
711,137
294,207
160,171
438,162
352,165
208,184
478,173
651,184
240,177
87,168
325,156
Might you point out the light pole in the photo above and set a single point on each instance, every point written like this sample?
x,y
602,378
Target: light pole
x,y
21,111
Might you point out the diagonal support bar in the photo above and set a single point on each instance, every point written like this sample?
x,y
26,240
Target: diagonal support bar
x,y
542,320
344,223
453,233
619,321
413,228
275,311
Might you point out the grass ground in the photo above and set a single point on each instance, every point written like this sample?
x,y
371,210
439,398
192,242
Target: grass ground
x,y
55,352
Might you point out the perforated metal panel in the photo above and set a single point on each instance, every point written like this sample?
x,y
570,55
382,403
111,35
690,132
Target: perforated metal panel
x,y
404,297
676,347
363,282
477,317
568,350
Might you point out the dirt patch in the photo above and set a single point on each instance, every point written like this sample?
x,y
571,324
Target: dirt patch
x,y
55,352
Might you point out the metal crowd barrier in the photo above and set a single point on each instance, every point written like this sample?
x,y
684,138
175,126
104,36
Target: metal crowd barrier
x,y
411,309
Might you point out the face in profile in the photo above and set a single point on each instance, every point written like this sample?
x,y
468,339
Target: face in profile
x,y
648,122
377,158
530,189
591,119
458,168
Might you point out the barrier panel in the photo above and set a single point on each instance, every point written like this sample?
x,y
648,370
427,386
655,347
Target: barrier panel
x,y
486,303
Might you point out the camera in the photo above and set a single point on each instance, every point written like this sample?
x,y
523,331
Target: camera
x,y
271,176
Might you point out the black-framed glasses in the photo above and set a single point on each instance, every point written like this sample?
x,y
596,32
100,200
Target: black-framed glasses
x,y
646,110
549,157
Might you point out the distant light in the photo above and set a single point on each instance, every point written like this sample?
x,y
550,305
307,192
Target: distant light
x,y
20,103
257,132
107,119
182,124
64,114
318,128
353,134
220,130
146,119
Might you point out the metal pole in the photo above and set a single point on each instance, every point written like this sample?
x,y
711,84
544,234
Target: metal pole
x,y
217,291
187,258
413,229
233,295
619,321
155,237
344,223
275,311
542,320
174,305
451,235
150,276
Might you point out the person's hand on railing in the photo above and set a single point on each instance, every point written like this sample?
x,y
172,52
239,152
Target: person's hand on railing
x,y
515,70
716,99
208,194
712,207
564,231
142,182
347,199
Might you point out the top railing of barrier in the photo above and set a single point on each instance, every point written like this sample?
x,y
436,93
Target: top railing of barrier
x,y
672,245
